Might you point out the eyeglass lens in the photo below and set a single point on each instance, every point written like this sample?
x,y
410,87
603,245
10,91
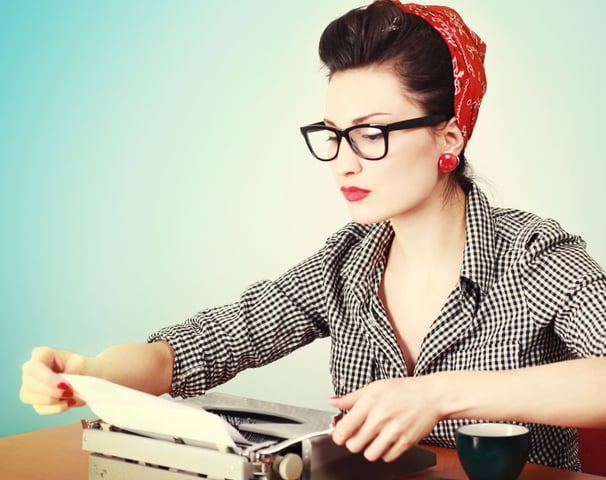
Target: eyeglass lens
x,y
369,142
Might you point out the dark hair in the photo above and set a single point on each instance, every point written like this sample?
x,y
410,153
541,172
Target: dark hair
x,y
383,34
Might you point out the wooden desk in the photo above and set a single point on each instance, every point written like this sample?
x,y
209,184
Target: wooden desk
x,y
56,454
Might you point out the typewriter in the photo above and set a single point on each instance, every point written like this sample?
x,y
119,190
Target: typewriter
x,y
273,441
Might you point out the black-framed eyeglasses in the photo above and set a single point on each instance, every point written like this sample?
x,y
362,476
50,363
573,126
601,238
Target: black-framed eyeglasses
x,y
368,140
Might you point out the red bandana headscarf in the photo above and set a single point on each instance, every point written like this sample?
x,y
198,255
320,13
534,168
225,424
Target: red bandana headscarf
x,y
467,51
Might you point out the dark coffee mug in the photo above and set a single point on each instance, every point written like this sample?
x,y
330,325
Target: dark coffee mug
x,y
493,451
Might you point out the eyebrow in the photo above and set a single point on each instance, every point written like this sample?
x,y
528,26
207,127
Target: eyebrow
x,y
358,120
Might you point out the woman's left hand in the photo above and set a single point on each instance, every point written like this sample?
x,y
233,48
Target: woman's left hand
x,y
387,417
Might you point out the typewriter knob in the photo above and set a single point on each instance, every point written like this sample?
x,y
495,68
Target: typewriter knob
x,y
289,467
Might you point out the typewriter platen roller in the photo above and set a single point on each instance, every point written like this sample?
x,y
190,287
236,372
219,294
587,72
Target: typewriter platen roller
x,y
279,442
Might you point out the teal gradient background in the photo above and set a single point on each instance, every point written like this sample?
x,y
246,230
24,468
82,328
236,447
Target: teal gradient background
x,y
151,164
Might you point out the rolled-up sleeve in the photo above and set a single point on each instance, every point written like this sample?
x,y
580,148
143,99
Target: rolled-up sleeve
x,y
582,322
270,320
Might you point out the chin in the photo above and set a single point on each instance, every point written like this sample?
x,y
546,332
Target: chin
x,y
367,218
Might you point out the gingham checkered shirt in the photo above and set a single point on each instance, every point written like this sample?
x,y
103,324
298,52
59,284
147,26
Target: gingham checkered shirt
x,y
528,294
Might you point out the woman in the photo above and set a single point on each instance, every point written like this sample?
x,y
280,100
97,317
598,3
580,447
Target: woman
x,y
441,309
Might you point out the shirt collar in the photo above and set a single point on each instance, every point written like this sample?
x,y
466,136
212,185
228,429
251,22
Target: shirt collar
x,y
367,256
478,257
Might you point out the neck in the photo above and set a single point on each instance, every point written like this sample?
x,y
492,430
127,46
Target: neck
x,y
433,235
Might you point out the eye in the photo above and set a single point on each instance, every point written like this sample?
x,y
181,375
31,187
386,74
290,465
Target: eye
x,y
369,134
331,137
372,136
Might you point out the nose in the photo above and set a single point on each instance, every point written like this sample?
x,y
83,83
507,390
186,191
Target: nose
x,y
347,161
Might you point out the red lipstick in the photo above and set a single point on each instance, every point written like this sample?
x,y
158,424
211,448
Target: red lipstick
x,y
354,194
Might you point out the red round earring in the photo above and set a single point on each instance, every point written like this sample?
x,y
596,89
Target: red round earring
x,y
448,162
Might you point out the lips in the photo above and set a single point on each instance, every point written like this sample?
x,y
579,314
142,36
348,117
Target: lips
x,y
354,194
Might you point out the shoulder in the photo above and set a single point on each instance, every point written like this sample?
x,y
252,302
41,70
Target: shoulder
x,y
554,265
511,228
528,232
541,260
514,243
543,241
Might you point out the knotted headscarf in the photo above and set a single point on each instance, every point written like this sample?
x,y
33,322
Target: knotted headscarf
x,y
467,51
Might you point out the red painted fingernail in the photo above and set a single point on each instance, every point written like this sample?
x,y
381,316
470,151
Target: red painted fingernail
x,y
71,402
67,390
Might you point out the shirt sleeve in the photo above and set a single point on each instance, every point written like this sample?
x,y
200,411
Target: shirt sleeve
x,y
566,289
582,322
270,320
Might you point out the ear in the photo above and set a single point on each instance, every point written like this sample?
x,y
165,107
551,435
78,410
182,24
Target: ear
x,y
452,137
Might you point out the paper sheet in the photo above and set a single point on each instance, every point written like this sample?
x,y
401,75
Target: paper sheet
x,y
140,412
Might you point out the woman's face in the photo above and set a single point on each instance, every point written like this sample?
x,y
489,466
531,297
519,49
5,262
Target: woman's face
x,y
407,178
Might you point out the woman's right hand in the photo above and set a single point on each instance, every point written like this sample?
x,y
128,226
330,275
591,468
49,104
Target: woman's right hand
x,y
42,387
147,367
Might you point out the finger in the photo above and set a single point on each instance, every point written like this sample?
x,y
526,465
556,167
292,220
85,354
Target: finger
x,y
342,403
387,437
48,357
38,379
58,361
350,424
346,402
33,398
36,387
46,364
397,449
41,396
51,409
373,427
364,436
40,370
57,408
